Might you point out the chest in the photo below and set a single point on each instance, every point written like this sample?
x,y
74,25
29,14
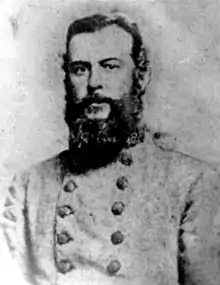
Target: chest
x,y
130,198
121,214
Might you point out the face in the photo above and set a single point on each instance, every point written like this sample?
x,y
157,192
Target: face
x,y
99,87
101,64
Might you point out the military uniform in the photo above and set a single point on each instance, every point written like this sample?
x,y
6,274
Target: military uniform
x,y
121,224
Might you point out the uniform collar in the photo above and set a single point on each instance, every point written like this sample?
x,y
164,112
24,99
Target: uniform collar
x,y
134,142
137,136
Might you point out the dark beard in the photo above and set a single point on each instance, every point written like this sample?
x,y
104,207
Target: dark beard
x,y
96,143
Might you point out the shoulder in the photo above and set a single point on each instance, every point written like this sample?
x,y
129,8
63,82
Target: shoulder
x,y
169,146
190,173
174,161
201,170
37,184
31,182
183,162
43,170
185,174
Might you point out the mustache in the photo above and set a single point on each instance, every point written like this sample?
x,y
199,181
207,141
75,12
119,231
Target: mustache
x,y
88,100
79,107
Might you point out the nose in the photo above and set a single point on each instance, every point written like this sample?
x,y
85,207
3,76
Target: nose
x,y
95,80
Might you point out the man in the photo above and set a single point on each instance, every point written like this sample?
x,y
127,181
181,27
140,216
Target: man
x,y
114,208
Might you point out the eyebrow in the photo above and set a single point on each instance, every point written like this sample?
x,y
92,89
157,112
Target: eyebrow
x,y
82,62
110,58
76,63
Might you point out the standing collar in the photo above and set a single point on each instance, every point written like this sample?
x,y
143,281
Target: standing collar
x,y
137,136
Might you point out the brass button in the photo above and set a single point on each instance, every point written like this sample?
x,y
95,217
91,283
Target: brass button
x,y
117,237
113,267
126,158
65,266
63,238
122,183
70,186
64,211
118,208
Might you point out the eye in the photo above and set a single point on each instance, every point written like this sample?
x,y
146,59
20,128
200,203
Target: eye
x,y
110,66
78,69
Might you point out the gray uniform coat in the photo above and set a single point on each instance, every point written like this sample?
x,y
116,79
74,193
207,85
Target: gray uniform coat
x,y
149,218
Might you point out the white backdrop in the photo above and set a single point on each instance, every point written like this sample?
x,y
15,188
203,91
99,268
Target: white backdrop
x,y
182,99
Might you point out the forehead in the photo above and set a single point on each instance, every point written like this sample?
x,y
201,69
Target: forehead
x,y
110,41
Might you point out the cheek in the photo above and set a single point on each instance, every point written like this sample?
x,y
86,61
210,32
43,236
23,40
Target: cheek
x,y
119,83
128,108
80,87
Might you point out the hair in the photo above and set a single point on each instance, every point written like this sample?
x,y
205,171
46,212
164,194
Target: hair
x,y
97,22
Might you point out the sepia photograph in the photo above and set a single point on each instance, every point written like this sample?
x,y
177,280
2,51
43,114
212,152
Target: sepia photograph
x,y
110,135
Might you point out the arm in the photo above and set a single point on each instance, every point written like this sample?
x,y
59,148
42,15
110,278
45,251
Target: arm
x,y
12,239
199,233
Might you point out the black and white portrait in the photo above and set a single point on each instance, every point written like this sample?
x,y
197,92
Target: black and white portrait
x,y
109,168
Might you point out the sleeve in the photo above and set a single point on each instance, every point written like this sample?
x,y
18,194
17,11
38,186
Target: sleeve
x,y
12,239
199,233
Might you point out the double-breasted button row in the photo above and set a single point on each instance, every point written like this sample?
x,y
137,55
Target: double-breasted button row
x,y
65,266
114,266
64,237
66,210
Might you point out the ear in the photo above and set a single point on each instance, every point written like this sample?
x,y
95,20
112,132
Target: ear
x,y
147,77
143,78
65,62
143,71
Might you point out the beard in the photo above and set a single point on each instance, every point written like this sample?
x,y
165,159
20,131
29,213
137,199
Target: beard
x,y
94,143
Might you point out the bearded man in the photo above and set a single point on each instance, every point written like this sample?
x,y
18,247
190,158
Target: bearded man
x,y
114,208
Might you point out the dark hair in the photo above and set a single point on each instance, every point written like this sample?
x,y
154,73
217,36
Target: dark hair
x,y
99,21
